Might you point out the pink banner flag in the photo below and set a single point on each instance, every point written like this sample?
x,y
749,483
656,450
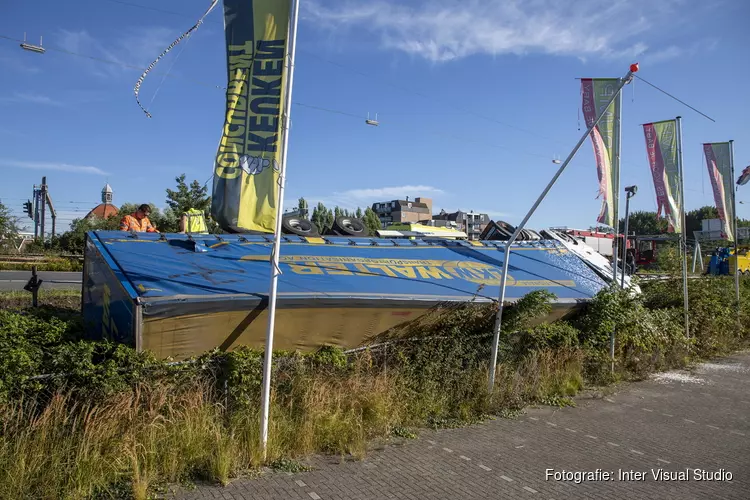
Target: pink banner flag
x,y
661,147
596,92
720,172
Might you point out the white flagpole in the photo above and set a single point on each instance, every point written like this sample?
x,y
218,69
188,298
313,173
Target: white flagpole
x,y
275,271
504,279
683,242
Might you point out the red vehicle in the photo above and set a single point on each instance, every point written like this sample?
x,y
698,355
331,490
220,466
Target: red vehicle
x,y
644,247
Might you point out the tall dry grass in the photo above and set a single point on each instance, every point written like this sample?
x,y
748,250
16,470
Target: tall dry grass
x,y
127,444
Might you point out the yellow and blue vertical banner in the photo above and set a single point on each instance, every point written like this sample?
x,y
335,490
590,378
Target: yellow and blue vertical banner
x,y
247,164
596,93
661,147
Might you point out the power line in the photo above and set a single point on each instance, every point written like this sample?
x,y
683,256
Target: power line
x,y
673,97
368,76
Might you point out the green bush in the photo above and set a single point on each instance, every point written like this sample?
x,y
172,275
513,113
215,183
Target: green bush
x,y
117,423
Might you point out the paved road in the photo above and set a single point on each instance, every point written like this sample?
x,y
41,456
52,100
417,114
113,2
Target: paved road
x,y
15,280
674,422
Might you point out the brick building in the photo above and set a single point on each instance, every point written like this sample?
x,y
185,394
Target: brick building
x,y
396,211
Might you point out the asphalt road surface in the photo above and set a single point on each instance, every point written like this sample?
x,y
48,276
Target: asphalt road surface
x,y
52,280
695,423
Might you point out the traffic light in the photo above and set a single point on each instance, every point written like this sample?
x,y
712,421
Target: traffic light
x,y
27,208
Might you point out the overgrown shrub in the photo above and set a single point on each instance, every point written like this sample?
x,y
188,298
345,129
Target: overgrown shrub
x,y
116,423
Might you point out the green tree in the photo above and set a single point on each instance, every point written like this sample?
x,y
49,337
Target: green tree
x,y
302,208
73,241
8,228
372,222
358,214
322,217
337,212
186,197
693,218
645,223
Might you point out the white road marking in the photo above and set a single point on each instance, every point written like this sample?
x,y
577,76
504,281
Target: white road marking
x,y
612,444
506,478
464,458
448,450
688,420
530,490
570,430
550,423
300,483
664,461
431,442
590,436
713,427
314,495
646,409
667,414
484,467
637,452
521,446
738,433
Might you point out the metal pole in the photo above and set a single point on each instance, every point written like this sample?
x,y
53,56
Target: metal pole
x,y
43,201
504,279
683,235
625,244
275,271
616,207
734,229
36,213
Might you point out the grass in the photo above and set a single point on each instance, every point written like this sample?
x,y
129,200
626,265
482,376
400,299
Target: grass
x,y
142,429
68,301
47,264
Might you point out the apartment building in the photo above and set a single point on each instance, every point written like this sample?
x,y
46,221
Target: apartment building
x,y
396,211
469,222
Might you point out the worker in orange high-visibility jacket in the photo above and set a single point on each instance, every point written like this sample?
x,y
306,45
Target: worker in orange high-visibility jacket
x,y
138,221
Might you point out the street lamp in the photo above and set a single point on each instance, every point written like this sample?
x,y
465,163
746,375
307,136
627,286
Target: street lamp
x,y
629,193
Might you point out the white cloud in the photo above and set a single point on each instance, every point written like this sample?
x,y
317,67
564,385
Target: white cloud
x,y
64,167
134,49
31,98
365,197
444,30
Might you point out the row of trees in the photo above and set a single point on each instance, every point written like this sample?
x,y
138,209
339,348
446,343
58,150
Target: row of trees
x,y
647,223
324,217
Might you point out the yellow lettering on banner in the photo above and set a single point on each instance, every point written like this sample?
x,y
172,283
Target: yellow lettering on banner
x,y
246,47
363,271
407,272
385,270
228,165
306,269
432,272
337,269
240,61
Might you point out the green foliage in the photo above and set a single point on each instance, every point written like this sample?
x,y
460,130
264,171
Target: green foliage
x,y
645,223
372,222
66,436
302,208
8,229
322,217
668,259
187,197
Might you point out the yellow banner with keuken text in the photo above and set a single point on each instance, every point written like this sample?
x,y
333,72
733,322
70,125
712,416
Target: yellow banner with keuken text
x,y
247,164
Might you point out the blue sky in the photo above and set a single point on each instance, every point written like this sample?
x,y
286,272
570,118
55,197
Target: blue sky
x,y
474,99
